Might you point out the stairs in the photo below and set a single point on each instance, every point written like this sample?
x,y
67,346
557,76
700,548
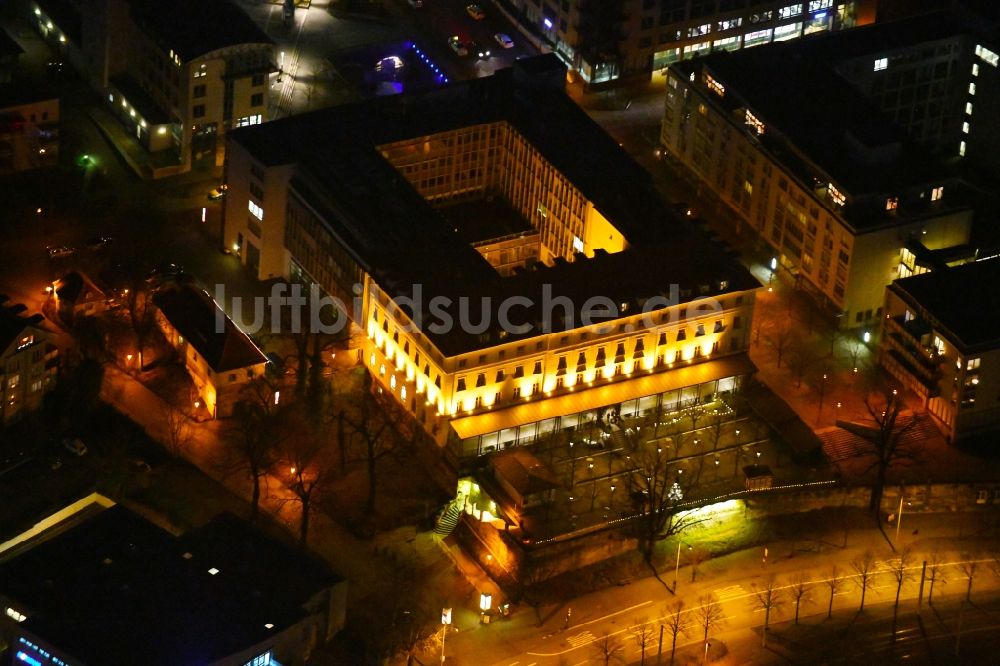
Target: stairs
x,y
839,444
449,519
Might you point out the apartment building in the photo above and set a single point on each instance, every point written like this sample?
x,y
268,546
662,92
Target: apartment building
x,y
608,304
793,153
941,339
29,115
29,362
177,75
619,39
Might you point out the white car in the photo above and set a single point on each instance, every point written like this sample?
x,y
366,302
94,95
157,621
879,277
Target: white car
x,y
476,12
59,251
457,46
504,40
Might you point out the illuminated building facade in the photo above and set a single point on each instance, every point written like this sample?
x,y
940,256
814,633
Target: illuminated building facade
x,y
835,188
177,75
392,208
613,39
29,362
942,341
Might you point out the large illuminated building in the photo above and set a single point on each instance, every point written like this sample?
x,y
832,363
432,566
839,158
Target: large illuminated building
x,y
839,152
177,75
499,189
942,341
620,39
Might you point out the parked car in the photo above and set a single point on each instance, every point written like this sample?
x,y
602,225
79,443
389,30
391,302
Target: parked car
x,y
504,40
476,12
59,251
457,46
217,193
75,446
478,50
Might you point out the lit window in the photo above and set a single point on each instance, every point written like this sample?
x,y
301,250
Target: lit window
x,y
975,69
968,108
14,615
972,364
988,56
961,148
965,127
213,571
754,122
972,88
715,86
881,63
937,193
836,195
257,211
892,203
790,11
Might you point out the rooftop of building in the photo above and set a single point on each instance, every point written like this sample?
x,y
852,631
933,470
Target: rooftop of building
x,y
115,589
819,119
525,473
207,328
949,297
76,286
136,95
64,16
8,47
13,322
403,241
193,28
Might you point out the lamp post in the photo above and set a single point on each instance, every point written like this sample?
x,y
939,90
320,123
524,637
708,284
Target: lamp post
x,y
899,516
445,622
822,394
485,604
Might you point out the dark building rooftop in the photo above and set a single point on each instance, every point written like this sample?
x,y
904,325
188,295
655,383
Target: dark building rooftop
x,y
13,322
118,590
65,17
403,241
192,28
197,317
809,109
949,296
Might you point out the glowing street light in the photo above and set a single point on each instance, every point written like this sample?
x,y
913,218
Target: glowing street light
x,y
445,622
485,602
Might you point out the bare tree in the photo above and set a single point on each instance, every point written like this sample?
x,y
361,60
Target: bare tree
x,y
141,316
308,474
901,575
644,636
864,568
800,590
372,421
834,581
176,430
677,622
970,569
708,615
696,555
255,435
656,491
801,357
767,596
314,341
935,573
779,338
609,649
885,444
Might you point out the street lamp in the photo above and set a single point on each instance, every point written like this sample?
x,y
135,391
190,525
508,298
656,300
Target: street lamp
x,y
445,622
899,515
485,602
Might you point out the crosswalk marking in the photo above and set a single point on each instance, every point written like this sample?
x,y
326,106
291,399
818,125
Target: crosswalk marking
x,y
582,638
730,592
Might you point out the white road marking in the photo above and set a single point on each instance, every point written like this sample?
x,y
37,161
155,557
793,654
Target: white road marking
x,y
582,638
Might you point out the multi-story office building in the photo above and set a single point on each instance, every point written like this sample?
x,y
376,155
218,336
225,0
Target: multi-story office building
x,y
616,307
941,339
794,153
29,115
29,362
613,39
177,75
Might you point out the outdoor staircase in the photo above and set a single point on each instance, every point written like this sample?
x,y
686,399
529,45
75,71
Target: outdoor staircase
x,y
449,519
839,444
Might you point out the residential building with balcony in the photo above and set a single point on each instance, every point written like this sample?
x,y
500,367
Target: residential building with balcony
x,y
607,40
791,152
29,361
29,115
941,339
606,303
177,75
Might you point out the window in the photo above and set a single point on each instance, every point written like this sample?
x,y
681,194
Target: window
x,y
881,63
961,149
972,364
790,11
198,111
257,99
199,90
517,392
892,203
480,380
201,71
975,69
972,88
968,108
937,193
461,384
965,127
538,368
256,210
